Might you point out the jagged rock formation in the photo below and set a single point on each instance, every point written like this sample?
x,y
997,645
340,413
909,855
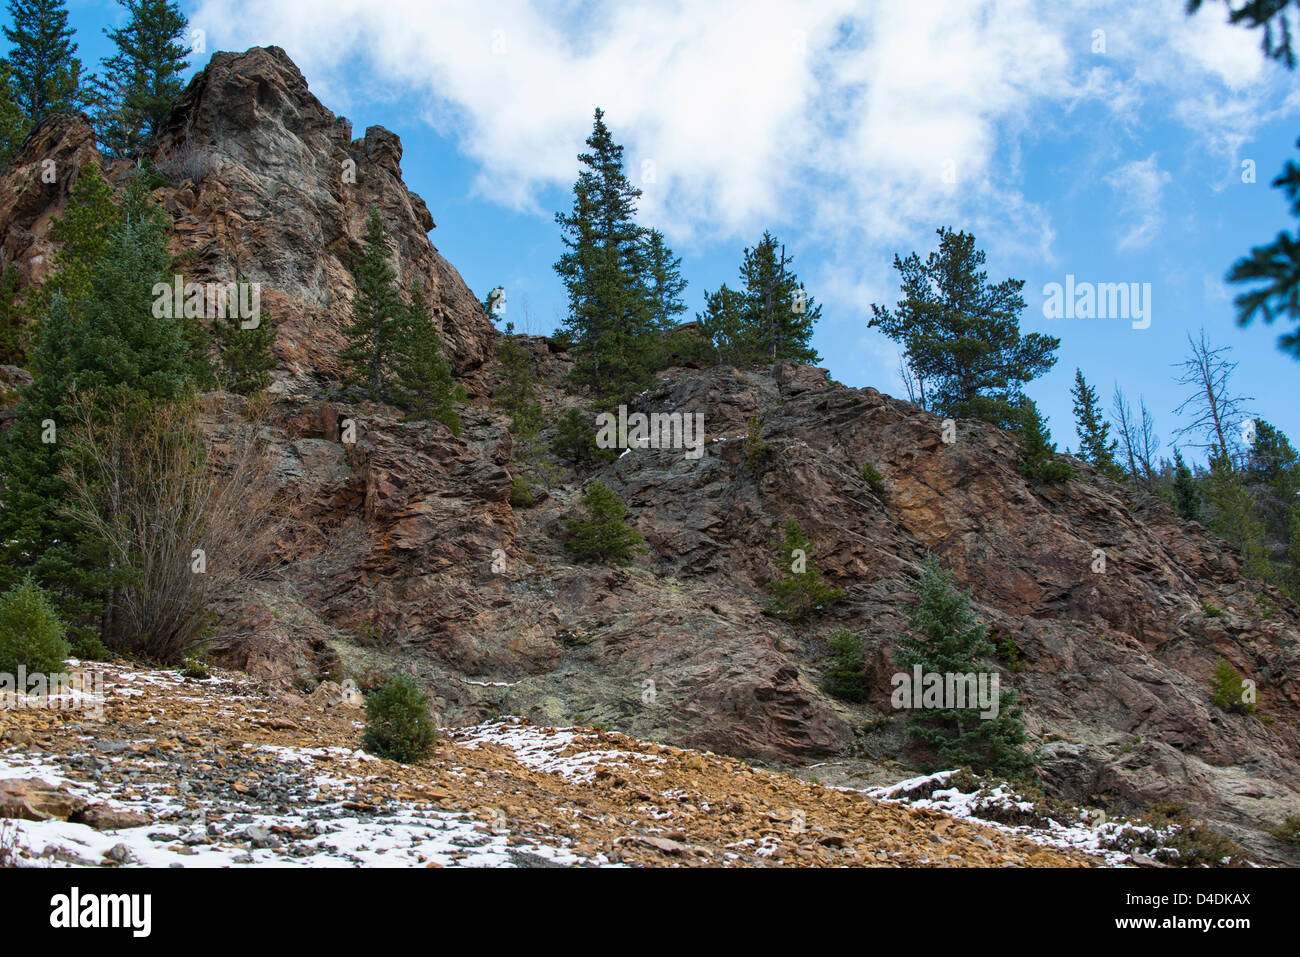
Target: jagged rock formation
x,y
407,553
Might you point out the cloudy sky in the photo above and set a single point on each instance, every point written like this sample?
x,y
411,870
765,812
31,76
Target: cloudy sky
x,y
1105,140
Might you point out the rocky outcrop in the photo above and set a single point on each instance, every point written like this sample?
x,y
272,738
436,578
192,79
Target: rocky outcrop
x,y
267,185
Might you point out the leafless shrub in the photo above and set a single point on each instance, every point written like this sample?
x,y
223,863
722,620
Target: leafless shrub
x,y
185,524
186,161
9,845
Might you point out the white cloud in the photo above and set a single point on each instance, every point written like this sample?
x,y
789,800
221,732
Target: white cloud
x,y
835,119
1141,185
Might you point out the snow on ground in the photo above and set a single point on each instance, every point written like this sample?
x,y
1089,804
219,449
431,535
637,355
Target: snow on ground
x,y
1091,833
542,748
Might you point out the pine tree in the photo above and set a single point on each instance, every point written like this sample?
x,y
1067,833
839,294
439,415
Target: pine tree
x,y
575,442
946,639
603,536
603,268
82,235
1038,461
1187,494
1096,447
516,393
244,356
800,591
1233,517
422,379
14,124
961,334
664,282
116,347
844,675
723,321
13,331
46,74
376,314
142,80
779,313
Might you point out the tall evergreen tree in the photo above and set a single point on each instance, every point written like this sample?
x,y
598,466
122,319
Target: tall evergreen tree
x,y
46,73
603,268
1038,461
142,80
115,347
947,639
376,314
723,321
664,282
1096,447
1187,493
422,379
14,124
244,356
1232,516
779,313
961,334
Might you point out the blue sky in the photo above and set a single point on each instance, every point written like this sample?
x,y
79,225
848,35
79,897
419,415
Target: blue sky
x,y
1095,138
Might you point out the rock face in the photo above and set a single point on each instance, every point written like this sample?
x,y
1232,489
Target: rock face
x,y
406,553
266,185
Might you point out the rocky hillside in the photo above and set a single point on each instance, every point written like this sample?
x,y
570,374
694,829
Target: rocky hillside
x,y
392,558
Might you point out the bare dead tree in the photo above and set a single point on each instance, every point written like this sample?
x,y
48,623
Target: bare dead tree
x,y
1216,409
1126,429
186,526
912,382
1148,443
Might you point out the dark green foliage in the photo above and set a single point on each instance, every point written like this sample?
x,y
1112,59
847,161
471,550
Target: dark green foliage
x,y
961,334
1272,269
244,356
521,494
115,346
871,475
757,452
31,633
1233,517
664,282
14,124
844,675
422,379
779,313
142,80
1096,447
603,536
800,592
1228,691
1038,461
376,314
398,726
13,332
946,639
516,392
1187,494
46,74
611,318
575,442
723,321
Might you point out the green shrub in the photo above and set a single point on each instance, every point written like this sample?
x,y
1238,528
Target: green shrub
x,y
603,536
1228,690
1288,830
756,451
1210,611
521,494
801,591
398,725
575,441
844,678
31,633
872,476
